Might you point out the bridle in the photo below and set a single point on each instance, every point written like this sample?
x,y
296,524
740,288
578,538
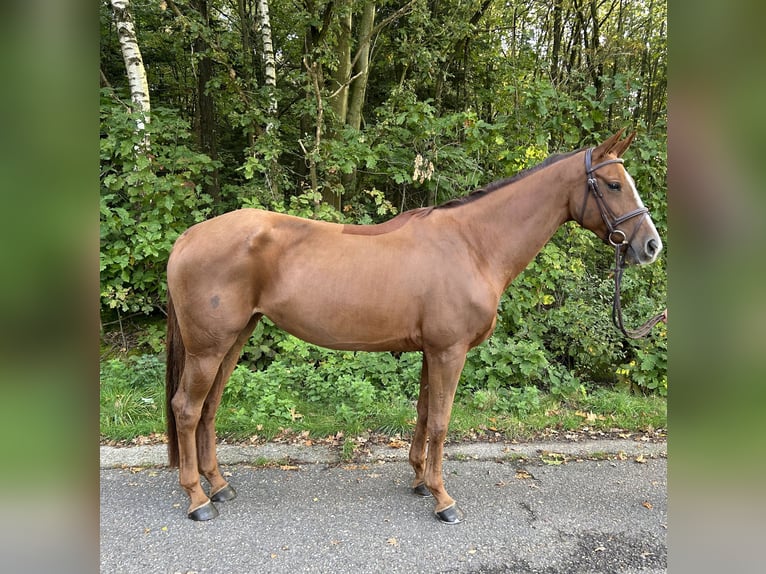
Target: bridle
x,y
617,239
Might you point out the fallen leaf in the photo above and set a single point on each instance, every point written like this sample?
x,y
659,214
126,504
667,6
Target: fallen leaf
x,y
640,459
590,416
522,474
647,504
553,458
392,541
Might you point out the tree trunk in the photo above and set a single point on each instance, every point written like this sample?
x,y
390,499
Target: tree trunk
x,y
270,80
343,71
269,63
205,103
597,66
134,63
557,32
361,67
247,71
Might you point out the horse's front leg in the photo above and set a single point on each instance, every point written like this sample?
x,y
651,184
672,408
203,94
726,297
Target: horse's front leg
x,y
420,438
444,368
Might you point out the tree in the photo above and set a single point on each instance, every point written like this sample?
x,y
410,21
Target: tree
x,y
269,64
134,63
206,116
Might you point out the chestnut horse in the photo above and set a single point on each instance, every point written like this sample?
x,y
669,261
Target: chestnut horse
x,y
428,280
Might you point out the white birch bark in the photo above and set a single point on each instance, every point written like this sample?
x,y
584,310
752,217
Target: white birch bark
x,y
134,63
269,63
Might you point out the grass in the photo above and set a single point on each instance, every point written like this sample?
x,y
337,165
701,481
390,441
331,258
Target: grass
x,y
132,405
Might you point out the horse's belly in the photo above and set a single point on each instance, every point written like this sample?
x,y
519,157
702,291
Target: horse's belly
x,y
344,325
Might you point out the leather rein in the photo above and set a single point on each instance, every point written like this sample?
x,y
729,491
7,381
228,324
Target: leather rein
x,y
617,239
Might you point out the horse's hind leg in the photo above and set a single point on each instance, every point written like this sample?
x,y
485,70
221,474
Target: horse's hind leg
x,y
220,490
198,377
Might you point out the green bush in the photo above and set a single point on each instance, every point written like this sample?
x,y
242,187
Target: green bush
x,y
147,201
259,397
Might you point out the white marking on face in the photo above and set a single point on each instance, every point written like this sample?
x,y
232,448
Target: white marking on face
x,y
648,219
633,187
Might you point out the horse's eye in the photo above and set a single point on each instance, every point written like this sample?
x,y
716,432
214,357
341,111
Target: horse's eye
x,y
614,186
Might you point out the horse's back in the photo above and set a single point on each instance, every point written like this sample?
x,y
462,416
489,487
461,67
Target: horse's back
x,y
331,285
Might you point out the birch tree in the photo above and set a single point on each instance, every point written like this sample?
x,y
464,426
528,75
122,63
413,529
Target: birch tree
x,y
134,63
269,63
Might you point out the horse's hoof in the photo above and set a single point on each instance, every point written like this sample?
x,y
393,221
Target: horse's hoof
x,y
422,490
226,493
450,515
207,511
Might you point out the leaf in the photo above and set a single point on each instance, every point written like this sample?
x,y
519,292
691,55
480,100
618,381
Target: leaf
x,y
647,504
392,541
590,416
397,443
553,458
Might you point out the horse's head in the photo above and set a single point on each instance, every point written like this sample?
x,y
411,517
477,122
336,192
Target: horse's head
x,y
610,205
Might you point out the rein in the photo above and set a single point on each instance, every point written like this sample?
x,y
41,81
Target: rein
x,y
618,240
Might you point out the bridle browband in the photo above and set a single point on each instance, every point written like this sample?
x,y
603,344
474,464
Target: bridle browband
x,y
617,239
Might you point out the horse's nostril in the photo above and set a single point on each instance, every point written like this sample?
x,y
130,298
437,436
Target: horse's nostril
x,y
651,247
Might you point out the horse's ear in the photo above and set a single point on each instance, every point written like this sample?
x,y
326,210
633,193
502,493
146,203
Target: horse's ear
x,y
620,147
607,146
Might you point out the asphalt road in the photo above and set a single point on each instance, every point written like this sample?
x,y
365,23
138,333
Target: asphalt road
x,y
542,513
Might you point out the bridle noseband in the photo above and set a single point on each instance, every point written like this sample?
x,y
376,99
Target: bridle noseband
x,y
617,239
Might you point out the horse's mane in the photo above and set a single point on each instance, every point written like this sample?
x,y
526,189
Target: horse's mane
x,y
489,188
386,226
404,217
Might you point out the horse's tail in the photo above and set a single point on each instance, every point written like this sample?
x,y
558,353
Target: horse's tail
x,y
174,366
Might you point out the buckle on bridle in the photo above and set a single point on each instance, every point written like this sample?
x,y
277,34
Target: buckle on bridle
x,y
614,234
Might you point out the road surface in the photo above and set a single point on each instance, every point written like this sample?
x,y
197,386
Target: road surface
x,y
539,508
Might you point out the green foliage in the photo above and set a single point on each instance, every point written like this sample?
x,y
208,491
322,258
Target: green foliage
x,y
325,399
458,95
132,396
301,376
256,397
148,198
436,156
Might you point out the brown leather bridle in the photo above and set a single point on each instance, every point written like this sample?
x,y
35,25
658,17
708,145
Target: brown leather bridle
x,y
617,239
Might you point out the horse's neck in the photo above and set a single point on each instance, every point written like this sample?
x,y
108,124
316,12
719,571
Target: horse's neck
x,y
511,225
